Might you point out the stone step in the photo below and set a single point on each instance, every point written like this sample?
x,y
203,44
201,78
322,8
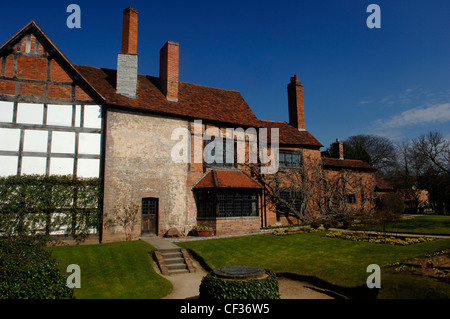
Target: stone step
x,y
174,260
176,266
172,256
171,252
178,271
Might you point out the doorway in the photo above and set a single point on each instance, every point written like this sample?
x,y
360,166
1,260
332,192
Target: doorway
x,y
149,223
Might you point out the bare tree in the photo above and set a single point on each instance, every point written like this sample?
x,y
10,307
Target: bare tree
x,y
435,148
380,149
310,193
125,216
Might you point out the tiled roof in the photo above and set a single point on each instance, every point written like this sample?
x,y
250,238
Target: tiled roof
x,y
346,164
226,179
289,135
195,102
382,185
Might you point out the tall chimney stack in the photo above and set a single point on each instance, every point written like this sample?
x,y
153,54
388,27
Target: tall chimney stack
x,y
127,62
169,70
296,107
338,150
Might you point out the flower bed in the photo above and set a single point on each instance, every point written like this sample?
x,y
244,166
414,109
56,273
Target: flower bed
x,y
378,239
295,232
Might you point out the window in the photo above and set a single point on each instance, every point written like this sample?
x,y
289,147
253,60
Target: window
x,y
149,206
227,204
289,159
351,199
206,204
221,154
294,199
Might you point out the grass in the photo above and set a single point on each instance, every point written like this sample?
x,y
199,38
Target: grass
x,y
431,225
113,271
336,261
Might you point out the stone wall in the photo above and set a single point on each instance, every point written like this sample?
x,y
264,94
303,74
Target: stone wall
x,y
138,165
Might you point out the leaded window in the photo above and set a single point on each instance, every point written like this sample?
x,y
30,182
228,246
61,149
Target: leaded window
x,y
289,159
227,203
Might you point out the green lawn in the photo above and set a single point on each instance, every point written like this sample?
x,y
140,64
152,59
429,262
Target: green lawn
x,y
114,271
336,261
431,225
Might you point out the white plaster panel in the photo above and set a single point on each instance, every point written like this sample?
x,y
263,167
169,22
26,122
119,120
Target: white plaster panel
x,y
60,115
89,144
30,113
63,142
88,168
6,111
61,166
33,165
92,116
9,139
77,115
8,165
35,141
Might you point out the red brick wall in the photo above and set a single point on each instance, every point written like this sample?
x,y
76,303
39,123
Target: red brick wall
x,y
237,225
169,69
296,106
129,31
32,76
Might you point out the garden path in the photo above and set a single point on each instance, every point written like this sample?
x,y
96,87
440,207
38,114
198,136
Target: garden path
x,y
186,285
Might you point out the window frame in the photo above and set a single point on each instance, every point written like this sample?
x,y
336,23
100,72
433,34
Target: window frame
x,y
240,202
289,164
147,207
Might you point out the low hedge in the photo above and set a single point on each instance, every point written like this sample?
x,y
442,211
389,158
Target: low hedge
x,y
213,287
27,271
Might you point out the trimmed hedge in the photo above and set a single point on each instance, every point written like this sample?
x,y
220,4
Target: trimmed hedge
x,y
27,271
38,204
213,287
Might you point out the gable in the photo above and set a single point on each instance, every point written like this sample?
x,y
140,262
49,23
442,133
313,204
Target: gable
x,y
33,69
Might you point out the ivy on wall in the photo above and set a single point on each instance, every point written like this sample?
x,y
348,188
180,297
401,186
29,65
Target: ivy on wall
x,y
49,205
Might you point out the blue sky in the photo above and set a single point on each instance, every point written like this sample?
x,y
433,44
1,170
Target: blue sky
x,y
393,81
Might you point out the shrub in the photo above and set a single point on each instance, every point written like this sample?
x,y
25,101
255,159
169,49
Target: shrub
x,y
38,204
213,287
327,225
392,203
315,224
346,223
27,271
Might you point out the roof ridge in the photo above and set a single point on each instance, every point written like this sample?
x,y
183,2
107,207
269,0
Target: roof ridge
x,y
156,77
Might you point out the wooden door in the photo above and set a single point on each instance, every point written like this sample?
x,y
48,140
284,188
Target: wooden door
x,y
149,216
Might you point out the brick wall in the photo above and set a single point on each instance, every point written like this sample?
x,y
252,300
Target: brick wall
x,y
30,74
236,225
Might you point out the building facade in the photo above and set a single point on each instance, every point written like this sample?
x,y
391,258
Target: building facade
x,y
146,137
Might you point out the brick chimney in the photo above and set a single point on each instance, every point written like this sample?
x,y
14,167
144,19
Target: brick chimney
x,y
295,100
169,70
127,62
338,149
